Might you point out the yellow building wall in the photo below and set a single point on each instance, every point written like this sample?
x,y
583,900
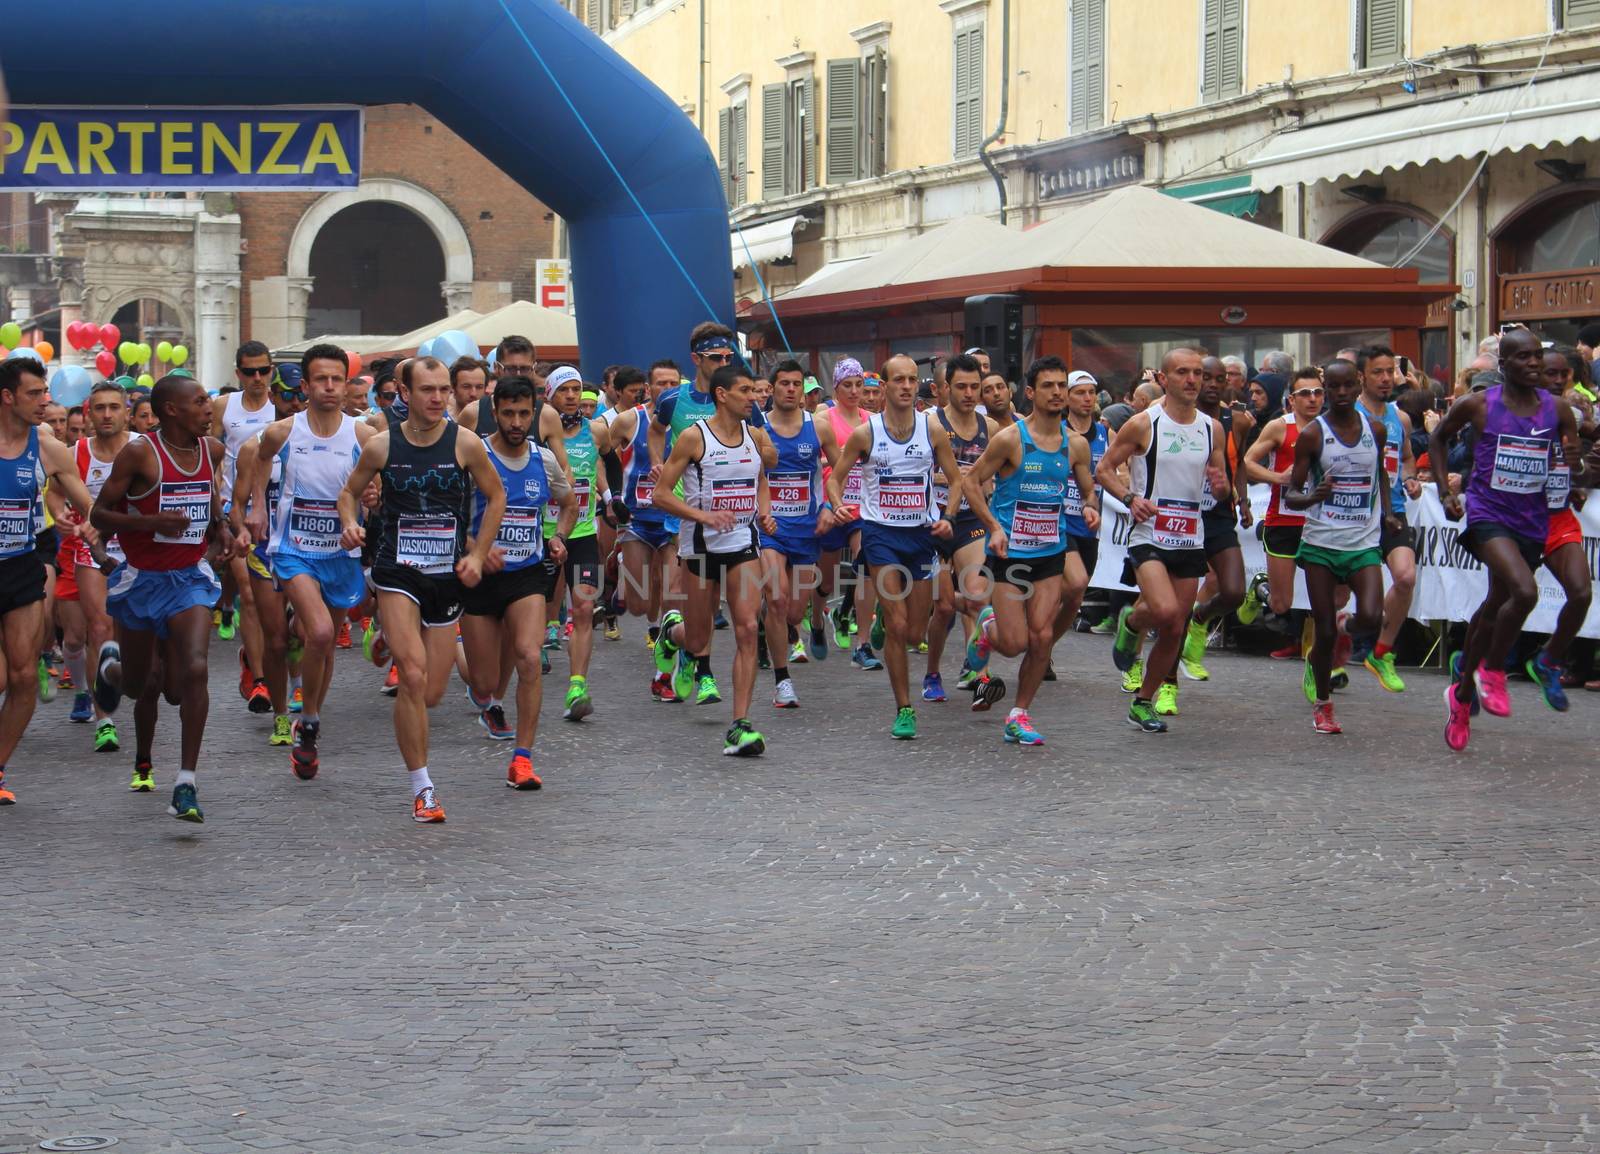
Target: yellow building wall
x,y
1437,24
1152,57
1311,37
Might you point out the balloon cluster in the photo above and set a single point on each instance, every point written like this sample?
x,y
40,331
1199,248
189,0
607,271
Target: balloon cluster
x,y
449,346
11,341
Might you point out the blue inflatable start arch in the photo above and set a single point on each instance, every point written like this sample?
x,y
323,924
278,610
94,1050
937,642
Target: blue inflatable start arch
x,y
493,72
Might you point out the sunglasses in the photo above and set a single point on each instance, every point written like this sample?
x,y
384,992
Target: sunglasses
x,y
1308,392
263,371
716,358
387,396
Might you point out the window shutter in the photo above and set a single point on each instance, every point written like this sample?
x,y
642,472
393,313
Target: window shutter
x,y
809,177
772,140
725,157
594,16
625,9
877,122
1230,58
1078,67
844,120
1211,51
741,153
1580,13
1095,72
1381,39
967,112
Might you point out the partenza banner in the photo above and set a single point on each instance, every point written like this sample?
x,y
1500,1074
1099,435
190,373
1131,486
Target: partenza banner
x,y
141,149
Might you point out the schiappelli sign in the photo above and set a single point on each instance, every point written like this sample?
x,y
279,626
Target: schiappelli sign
x,y
148,149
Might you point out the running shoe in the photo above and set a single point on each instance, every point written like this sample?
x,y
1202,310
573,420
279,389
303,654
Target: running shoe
x,y
1308,682
798,654
855,627
47,683
1457,720
1255,601
577,705
544,662
968,677
282,731
743,741
297,699
1104,627
683,676
425,806
493,720
6,796
1192,661
665,649
374,646
303,753
985,692
1455,678
64,681
1142,715
82,708
295,649
1491,685
613,631
877,636
105,737
819,645
863,658
143,780
245,679
552,635
661,688
477,705
932,687
1322,718
185,805
1125,649
784,696
705,690
520,775
978,646
1342,646
905,724
1166,703
566,631
260,700
841,630
391,681
1338,678
226,627
1287,653
1383,669
342,638
720,621
762,660
1049,671
1548,678
1020,731
1133,680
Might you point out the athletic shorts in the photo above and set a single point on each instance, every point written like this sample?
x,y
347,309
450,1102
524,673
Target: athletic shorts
x,y
1180,563
1282,540
1025,571
966,531
1221,530
21,582
492,596
148,599
837,539
715,566
259,565
912,549
1404,537
1089,549
1474,535
1565,529
67,571
343,584
438,597
656,534
797,548
1340,562
47,543
582,566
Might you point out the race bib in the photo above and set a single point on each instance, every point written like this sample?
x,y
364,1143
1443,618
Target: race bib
x,y
643,490
1391,461
114,551
427,544
521,535
734,495
581,489
903,500
1036,525
1521,464
16,526
193,500
314,527
1208,500
852,486
790,493
1176,524
1072,499
1350,503
1558,489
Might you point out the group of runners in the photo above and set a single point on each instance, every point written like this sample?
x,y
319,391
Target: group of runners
x,y
458,524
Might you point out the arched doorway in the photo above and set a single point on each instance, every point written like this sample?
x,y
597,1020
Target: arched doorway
x,y
1386,233
151,321
1547,262
377,268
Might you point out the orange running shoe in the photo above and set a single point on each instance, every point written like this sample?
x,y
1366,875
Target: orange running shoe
x,y
343,639
425,806
391,683
6,796
520,775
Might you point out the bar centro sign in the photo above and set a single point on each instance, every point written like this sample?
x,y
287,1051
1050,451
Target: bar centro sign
x,y
1071,179
142,149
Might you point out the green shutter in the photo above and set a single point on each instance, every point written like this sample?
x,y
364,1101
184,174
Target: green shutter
x,y
844,120
1382,39
772,158
1230,60
967,106
1211,51
1078,68
741,153
594,15
808,176
1580,13
725,158
1095,65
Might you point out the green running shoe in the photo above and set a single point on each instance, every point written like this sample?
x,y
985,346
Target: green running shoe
x,y
743,741
105,737
226,629
683,676
905,724
282,731
841,629
577,706
705,691
1166,703
665,650
1254,603
1142,716
1308,683
1192,660
185,805
1133,680
876,636
1383,669
1125,649
47,684
143,779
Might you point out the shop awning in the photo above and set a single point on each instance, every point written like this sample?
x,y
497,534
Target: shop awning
x,y
1558,111
768,241
1231,195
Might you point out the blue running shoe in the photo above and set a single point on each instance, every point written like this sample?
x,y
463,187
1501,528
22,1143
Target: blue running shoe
x,y
185,806
862,658
932,688
978,643
1548,678
1020,730
82,708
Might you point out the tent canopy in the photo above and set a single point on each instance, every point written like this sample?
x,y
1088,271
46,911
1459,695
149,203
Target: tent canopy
x,y
544,327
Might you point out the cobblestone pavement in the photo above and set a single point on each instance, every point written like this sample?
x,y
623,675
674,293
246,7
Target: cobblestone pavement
x,y
1239,936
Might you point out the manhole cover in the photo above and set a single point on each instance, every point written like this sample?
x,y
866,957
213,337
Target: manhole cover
x,y
78,1142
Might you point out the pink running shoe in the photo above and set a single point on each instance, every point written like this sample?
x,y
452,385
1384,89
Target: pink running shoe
x,y
1458,721
1492,691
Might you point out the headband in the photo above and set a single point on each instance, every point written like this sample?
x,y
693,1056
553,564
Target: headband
x,y
564,375
846,367
710,344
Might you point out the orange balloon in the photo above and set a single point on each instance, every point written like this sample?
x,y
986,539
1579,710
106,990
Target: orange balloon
x,y
46,350
355,364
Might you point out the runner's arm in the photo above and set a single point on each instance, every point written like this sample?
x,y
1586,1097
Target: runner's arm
x,y
854,449
62,470
1408,460
561,490
474,458
1307,452
1004,450
1128,443
1380,435
244,474
945,457
135,465
1255,468
1571,445
254,482
828,442
1080,457
1468,410
685,451
219,529
219,406
374,456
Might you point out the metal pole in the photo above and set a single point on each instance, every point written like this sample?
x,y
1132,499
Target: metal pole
x,y
700,106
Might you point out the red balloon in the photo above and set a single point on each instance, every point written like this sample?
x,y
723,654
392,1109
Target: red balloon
x,y
87,336
71,334
110,336
355,364
106,363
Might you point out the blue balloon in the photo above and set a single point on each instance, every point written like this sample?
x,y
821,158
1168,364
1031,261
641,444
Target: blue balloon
x,y
493,353
425,349
453,344
70,385
25,351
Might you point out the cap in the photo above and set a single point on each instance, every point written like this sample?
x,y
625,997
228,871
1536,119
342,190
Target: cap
x,y
588,396
1079,377
566,374
811,385
871,381
287,379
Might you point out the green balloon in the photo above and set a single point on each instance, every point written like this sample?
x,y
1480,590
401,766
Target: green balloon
x,y
180,354
146,380
10,334
126,351
164,351
144,353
